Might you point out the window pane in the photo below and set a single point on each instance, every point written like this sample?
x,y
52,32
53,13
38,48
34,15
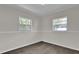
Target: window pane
x,y
60,24
25,24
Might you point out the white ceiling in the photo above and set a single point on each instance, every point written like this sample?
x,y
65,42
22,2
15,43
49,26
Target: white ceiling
x,y
43,10
46,9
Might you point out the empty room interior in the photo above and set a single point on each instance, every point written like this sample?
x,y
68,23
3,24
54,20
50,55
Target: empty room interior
x,y
39,29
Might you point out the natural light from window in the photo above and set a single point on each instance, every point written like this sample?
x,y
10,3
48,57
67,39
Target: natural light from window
x,y
60,24
25,24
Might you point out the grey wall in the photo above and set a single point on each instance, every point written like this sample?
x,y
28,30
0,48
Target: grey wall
x,y
9,17
68,39
10,37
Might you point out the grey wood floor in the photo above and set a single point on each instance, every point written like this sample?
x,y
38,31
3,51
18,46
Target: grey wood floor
x,y
42,48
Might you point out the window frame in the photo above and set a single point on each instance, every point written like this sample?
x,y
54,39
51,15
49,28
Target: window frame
x,y
20,25
58,19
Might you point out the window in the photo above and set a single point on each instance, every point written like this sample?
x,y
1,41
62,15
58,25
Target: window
x,y
60,24
25,24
